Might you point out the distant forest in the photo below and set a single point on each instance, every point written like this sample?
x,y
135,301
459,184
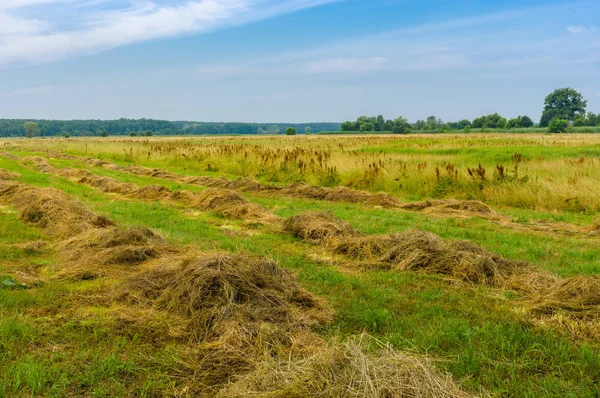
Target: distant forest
x,y
72,128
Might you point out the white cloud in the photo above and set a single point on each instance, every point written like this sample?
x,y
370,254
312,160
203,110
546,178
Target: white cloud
x,y
353,65
579,29
30,41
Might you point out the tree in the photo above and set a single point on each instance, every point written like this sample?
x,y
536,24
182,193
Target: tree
x,y
580,121
348,126
401,126
103,133
290,131
367,127
462,124
148,133
307,130
513,123
563,103
526,122
133,134
478,123
388,125
557,125
495,121
31,129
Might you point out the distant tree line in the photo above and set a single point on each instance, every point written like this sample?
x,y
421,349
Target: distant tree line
x,y
563,108
147,127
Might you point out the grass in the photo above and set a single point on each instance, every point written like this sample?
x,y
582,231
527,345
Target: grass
x,y
475,333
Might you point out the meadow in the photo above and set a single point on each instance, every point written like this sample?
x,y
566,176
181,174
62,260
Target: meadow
x,y
451,265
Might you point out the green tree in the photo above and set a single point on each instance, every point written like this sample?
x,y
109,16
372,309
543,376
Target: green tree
x,y
460,125
563,103
513,123
401,126
307,130
557,125
133,134
347,126
103,133
148,133
495,121
580,121
31,129
526,122
478,123
367,127
290,131
388,125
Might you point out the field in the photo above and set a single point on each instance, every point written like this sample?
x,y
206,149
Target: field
x,y
303,266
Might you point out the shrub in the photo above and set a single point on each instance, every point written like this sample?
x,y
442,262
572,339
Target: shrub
x,y
558,125
290,131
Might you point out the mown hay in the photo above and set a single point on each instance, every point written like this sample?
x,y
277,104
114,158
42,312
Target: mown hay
x,y
366,247
6,175
230,204
578,297
346,371
452,207
418,250
124,246
9,156
237,309
51,209
341,194
40,163
318,227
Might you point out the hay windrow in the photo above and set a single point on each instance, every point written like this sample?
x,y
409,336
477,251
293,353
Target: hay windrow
x,y
51,209
225,202
6,175
347,371
318,227
452,207
578,297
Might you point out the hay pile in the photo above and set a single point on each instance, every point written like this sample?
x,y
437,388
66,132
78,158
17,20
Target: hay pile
x,y
111,246
230,204
578,297
341,194
419,250
318,227
236,310
6,175
347,371
40,163
452,207
51,209
9,156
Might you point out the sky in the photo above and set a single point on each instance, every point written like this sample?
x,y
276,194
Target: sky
x,y
293,60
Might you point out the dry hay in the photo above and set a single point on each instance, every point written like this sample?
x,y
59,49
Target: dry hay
x,y
237,309
40,163
318,227
578,297
230,204
125,246
6,175
347,371
418,250
9,156
341,194
452,207
366,247
51,209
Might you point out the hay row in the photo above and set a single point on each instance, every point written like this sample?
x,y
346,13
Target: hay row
x,y
544,294
449,207
233,316
224,202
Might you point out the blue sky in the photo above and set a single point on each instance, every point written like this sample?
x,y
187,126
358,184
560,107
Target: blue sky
x,y
293,60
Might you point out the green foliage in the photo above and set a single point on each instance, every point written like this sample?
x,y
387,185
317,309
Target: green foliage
x,y
563,103
307,130
148,133
557,125
526,122
31,129
290,131
401,126
367,127
133,134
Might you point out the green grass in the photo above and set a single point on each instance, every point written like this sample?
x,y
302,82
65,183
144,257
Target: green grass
x,y
478,335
